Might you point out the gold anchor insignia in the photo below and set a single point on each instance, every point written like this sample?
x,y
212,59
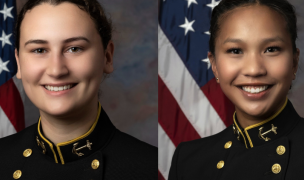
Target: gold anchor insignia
x,y
41,144
75,151
273,129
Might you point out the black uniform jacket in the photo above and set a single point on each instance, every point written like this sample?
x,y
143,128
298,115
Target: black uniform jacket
x,y
103,153
272,149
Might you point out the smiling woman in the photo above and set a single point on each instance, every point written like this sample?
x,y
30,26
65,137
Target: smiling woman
x,y
254,59
63,50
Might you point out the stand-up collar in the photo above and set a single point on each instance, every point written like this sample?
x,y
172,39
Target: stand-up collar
x,y
274,127
80,147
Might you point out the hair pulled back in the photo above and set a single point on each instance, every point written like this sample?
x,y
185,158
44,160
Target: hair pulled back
x,y
281,6
92,7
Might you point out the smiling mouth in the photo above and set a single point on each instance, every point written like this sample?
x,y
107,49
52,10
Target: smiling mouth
x,y
59,88
255,89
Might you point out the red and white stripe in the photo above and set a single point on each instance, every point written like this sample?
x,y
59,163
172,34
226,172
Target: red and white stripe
x,y
185,112
11,109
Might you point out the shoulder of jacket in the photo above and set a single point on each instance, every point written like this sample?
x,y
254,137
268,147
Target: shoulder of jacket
x,y
133,154
207,144
132,143
18,140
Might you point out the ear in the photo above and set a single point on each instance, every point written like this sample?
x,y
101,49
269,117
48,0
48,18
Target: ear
x,y
108,63
213,65
18,75
296,57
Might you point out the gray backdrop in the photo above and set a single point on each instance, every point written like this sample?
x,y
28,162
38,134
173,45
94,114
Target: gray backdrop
x,y
129,95
296,94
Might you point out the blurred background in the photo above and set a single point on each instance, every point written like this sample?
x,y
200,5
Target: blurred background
x,y
296,94
129,94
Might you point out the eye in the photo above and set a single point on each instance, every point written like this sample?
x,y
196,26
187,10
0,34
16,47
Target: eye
x,y
39,51
74,49
234,51
272,49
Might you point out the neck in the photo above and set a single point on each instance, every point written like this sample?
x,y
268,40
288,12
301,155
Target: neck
x,y
65,128
246,120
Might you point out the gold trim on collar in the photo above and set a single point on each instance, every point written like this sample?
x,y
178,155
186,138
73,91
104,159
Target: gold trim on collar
x,y
71,141
260,123
239,129
50,144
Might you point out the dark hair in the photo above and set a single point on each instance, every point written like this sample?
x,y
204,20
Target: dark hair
x,y
92,7
281,6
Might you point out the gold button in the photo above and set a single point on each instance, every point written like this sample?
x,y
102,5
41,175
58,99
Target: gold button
x,y
276,168
95,164
220,165
281,150
27,153
228,144
17,174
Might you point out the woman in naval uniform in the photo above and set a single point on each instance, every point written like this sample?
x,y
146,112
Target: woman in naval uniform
x,y
254,59
63,50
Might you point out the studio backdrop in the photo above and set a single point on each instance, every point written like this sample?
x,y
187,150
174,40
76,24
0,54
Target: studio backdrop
x,y
129,94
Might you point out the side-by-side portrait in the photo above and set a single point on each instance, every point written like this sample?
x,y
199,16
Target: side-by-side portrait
x,y
151,90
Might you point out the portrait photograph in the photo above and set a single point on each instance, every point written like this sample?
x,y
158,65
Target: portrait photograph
x,y
78,85
230,89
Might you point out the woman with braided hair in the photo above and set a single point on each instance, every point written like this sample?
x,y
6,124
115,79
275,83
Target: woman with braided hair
x,y
63,51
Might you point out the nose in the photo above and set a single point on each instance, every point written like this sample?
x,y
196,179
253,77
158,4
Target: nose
x,y
254,66
57,66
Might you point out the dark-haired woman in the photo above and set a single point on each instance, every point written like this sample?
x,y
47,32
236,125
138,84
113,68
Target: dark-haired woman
x,y
63,50
254,59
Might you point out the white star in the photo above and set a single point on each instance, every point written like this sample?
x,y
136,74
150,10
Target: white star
x,y
6,12
190,2
5,39
207,61
3,66
187,26
207,32
213,4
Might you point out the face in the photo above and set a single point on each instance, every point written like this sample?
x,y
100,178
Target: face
x,y
61,59
254,60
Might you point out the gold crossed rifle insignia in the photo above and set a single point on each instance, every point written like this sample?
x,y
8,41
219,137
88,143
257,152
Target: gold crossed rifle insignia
x,y
75,151
261,135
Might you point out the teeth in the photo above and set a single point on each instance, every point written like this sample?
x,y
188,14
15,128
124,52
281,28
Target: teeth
x,y
254,89
58,88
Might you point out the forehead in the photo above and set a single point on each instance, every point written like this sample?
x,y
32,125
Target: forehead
x,y
252,23
51,22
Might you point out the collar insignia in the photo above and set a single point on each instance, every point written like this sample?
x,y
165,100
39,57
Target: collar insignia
x,y
41,144
266,130
75,151
235,131
273,129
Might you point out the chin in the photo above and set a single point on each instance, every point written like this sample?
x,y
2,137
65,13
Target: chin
x,y
57,109
258,110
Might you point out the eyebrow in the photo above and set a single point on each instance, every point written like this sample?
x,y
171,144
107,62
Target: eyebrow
x,y
266,40
40,41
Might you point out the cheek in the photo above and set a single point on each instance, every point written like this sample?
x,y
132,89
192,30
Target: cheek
x,y
31,70
227,70
280,69
88,67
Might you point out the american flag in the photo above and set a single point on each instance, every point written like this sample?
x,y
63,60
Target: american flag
x,y
191,103
11,106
